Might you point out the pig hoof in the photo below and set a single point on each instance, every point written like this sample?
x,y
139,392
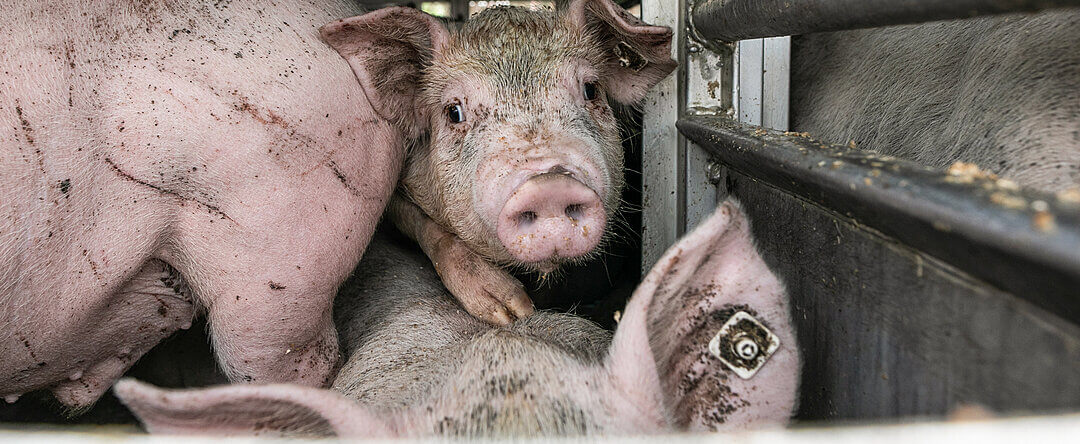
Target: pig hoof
x,y
497,309
483,289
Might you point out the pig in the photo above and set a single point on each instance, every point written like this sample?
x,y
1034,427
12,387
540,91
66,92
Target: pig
x,y
515,159
166,160
419,366
1000,92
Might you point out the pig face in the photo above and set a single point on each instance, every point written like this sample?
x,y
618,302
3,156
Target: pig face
x,y
515,147
549,374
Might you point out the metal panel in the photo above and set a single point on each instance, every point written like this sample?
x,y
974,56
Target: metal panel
x,y
886,331
776,83
750,62
1022,241
663,149
762,82
732,20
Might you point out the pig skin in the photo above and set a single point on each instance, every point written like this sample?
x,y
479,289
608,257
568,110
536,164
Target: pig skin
x,y
420,366
163,160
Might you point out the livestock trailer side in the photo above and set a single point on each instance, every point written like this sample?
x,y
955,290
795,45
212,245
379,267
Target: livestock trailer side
x,y
914,290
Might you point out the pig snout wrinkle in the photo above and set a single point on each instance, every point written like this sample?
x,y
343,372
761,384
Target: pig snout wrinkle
x,y
551,216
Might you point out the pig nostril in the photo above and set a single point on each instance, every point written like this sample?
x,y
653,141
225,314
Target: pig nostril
x,y
575,211
559,169
526,217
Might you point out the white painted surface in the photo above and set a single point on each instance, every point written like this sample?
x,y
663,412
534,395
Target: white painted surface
x,y
1039,429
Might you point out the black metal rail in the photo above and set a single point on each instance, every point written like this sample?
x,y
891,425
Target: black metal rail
x,y
1022,241
731,20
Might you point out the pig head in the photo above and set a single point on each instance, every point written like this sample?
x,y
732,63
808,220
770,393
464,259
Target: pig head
x,y
516,158
544,375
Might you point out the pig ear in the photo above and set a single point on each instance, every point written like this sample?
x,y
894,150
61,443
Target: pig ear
x,y
661,350
637,55
387,50
276,410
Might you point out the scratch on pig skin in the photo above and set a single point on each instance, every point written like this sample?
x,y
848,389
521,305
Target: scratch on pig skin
x,y
341,176
127,176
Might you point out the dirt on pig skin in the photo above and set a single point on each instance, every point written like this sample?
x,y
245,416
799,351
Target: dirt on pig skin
x,y
161,160
515,157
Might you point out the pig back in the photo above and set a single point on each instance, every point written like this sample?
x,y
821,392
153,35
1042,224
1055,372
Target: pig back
x,y
410,346
1002,92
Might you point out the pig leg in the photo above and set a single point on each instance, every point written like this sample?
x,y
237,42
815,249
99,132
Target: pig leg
x,y
485,290
269,310
274,333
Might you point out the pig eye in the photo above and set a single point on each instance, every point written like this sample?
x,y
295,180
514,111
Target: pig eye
x,y
455,113
590,90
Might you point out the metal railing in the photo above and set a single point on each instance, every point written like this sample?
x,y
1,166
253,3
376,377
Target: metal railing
x,y
732,20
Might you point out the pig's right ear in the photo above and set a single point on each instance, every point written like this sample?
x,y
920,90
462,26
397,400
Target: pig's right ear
x,y
275,410
388,50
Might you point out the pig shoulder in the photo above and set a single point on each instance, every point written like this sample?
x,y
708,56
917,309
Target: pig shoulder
x,y
215,153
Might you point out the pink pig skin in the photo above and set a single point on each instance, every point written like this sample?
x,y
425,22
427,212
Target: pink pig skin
x,y
164,159
419,366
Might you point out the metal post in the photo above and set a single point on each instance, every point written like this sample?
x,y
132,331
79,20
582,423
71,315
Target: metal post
x,y
663,149
733,20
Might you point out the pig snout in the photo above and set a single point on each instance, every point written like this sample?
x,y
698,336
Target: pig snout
x,y
549,217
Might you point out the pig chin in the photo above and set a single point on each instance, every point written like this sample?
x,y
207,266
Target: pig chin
x,y
549,219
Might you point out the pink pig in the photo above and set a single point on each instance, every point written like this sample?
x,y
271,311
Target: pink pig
x,y
419,366
164,159
515,156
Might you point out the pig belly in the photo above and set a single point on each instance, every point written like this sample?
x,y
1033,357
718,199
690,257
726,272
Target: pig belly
x,y
160,161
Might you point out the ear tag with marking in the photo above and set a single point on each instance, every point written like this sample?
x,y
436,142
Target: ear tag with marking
x,y
628,57
743,344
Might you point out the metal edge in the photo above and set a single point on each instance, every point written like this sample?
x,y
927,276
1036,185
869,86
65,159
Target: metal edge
x,y
733,20
663,149
1022,241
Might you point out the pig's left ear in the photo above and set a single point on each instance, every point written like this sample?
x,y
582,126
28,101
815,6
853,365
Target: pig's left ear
x,y
388,50
637,55
244,410
706,339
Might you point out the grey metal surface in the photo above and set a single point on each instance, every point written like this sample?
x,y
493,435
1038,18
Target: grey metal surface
x,y
886,331
732,20
708,85
762,81
750,62
1022,241
663,149
776,83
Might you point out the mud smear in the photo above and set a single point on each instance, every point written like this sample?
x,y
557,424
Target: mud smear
x,y
126,176
344,181
28,131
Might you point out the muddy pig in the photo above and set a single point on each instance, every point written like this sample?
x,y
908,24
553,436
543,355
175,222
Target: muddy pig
x,y
418,365
1001,92
516,158
164,159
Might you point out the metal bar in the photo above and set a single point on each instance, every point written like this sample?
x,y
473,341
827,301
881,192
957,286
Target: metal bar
x,y
1022,241
733,20
663,149
750,59
776,83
